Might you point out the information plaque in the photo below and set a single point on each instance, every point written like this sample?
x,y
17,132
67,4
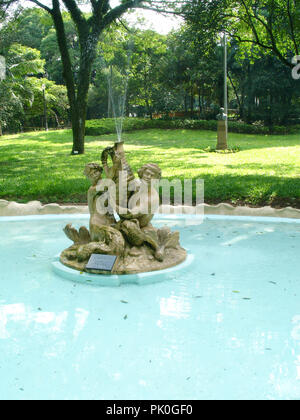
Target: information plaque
x,y
100,262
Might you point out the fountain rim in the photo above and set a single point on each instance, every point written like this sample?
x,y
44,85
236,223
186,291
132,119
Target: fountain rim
x,y
157,217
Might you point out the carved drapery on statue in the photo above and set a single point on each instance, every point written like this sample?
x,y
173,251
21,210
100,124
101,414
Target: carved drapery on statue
x,y
138,245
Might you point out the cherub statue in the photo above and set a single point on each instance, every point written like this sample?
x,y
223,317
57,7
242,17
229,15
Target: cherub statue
x,y
145,201
135,219
102,237
93,171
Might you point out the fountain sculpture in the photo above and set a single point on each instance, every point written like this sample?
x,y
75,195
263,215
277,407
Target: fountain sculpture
x,y
137,245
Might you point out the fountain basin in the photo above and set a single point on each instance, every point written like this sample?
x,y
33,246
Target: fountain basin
x,y
224,326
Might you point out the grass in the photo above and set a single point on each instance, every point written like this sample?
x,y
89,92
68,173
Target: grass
x,y
265,170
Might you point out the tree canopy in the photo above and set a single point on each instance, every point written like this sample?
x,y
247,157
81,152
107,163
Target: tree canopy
x,y
271,25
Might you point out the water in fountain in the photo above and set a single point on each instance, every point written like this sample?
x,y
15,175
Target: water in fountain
x,y
118,77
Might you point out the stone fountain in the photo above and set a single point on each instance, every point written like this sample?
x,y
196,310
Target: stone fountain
x,y
120,224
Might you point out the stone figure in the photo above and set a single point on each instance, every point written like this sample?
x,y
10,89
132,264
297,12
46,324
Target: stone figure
x,y
138,245
93,172
120,172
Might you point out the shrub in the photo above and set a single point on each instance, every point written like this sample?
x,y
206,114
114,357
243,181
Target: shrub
x,y
107,126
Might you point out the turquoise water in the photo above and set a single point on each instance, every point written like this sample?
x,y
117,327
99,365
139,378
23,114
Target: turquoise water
x,y
226,326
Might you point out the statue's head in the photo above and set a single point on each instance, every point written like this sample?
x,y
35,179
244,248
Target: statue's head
x,y
93,171
149,171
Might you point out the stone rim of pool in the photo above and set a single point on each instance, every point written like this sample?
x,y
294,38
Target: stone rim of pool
x,y
11,208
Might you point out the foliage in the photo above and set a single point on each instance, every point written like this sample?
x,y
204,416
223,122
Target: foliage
x,y
176,75
269,25
17,88
107,126
148,51
21,96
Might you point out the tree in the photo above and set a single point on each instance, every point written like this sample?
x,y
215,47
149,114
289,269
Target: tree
x,y
148,50
269,25
89,28
16,90
27,27
50,51
193,68
50,95
21,93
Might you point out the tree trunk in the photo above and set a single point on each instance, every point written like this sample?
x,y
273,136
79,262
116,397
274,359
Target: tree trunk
x,y
199,100
89,30
242,112
185,104
236,94
149,109
192,103
78,129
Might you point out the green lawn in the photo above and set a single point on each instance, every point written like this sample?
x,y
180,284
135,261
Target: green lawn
x,y
266,170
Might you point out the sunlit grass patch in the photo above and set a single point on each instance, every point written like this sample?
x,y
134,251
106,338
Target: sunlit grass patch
x,y
263,170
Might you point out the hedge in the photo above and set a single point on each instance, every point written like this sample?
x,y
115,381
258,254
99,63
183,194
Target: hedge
x,y
107,126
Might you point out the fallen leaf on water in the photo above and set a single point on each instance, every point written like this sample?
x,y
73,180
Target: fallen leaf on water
x,y
125,317
123,301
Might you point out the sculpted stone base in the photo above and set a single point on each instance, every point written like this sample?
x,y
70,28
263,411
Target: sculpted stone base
x,y
135,260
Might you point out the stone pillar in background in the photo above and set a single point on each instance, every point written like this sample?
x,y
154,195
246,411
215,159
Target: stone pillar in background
x,y
222,131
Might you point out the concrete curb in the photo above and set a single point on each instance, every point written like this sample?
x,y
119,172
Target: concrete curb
x,y
11,208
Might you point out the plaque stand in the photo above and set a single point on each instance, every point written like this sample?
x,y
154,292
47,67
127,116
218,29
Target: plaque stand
x,y
222,135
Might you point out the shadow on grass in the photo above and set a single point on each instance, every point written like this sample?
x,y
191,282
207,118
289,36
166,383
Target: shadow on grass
x,y
252,189
149,139
284,167
192,139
